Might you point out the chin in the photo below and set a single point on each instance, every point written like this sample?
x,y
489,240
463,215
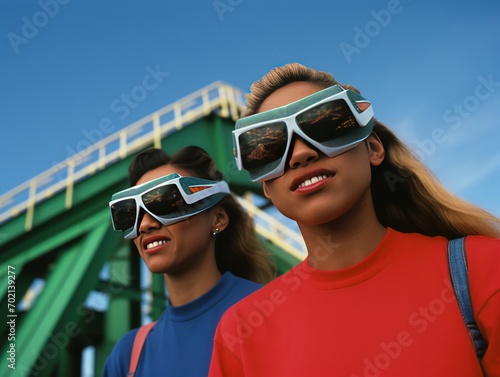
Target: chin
x,y
156,269
319,218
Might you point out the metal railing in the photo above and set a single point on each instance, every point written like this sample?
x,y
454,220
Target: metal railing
x,y
150,129
218,97
276,231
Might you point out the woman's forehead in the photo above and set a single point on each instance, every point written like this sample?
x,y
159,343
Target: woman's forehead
x,y
161,171
288,94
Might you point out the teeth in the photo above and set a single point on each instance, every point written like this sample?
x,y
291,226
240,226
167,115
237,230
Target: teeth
x,y
313,180
155,244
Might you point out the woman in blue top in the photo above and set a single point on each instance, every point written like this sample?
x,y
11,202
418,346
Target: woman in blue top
x,y
188,226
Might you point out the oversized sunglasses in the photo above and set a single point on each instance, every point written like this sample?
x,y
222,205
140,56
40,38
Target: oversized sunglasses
x,y
332,120
168,199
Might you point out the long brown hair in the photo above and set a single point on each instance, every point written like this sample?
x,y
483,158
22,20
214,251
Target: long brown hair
x,y
406,195
237,248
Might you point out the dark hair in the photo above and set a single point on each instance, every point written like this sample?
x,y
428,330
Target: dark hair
x,y
237,248
148,160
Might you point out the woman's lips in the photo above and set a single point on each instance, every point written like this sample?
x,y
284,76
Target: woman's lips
x,y
311,180
153,244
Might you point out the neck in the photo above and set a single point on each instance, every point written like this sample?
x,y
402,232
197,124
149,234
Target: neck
x,y
345,241
188,286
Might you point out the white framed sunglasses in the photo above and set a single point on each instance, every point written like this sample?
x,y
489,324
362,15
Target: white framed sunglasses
x,y
332,120
168,199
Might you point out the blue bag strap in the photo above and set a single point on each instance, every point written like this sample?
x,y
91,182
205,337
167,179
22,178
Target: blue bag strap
x,y
460,281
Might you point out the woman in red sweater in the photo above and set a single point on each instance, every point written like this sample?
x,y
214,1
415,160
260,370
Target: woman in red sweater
x,y
373,297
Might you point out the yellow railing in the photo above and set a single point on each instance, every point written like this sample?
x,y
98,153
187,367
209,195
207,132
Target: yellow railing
x,y
150,129
217,97
278,233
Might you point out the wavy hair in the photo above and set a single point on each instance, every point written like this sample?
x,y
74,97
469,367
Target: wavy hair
x,y
237,248
406,195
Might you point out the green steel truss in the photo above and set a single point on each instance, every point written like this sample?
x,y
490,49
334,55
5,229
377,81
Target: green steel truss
x,y
67,280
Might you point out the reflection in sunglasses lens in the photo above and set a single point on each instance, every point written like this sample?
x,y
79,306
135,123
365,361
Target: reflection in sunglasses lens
x,y
327,121
263,145
124,214
163,200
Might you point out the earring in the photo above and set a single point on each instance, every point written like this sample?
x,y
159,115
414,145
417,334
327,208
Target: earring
x,y
215,232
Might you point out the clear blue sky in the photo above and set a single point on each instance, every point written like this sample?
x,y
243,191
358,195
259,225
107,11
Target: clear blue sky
x,y
430,68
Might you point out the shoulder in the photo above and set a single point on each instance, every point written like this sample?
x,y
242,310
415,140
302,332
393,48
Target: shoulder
x,y
124,344
118,360
483,262
483,254
415,239
271,291
239,285
482,245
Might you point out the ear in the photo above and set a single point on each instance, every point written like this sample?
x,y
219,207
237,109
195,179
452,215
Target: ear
x,y
221,219
376,149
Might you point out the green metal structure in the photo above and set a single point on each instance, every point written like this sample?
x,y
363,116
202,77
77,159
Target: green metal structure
x,y
68,282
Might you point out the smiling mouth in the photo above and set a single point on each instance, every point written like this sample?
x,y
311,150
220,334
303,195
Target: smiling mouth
x,y
155,244
313,180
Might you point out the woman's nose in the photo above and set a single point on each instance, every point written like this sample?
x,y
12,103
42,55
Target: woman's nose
x,y
302,154
148,223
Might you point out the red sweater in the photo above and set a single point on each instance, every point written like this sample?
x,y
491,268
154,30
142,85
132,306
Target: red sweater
x,y
393,314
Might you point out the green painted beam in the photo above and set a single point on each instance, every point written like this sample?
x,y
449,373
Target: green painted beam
x,y
58,305
124,292
55,240
95,191
159,302
283,260
21,284
69,247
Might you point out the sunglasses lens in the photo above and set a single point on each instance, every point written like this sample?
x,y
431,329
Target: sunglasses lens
x,y
124,214
164,201
332,124
263,146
